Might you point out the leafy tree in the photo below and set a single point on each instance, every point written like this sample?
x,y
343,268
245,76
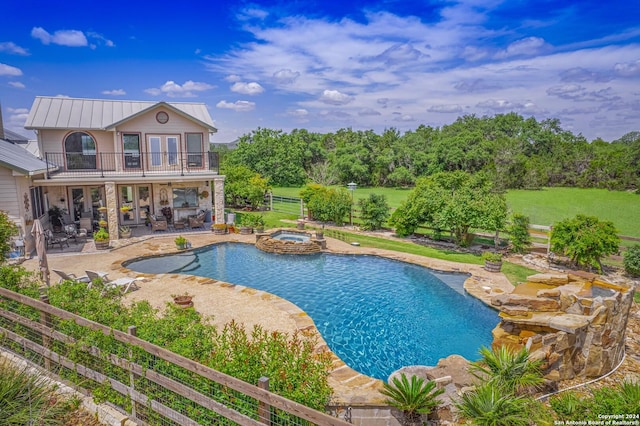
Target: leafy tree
x,y
632,260
327,204
7,229
454,201
585,240
413,397
519,232
244,186
374,211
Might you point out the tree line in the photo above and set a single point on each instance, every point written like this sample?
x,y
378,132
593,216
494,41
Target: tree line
x,y
516,152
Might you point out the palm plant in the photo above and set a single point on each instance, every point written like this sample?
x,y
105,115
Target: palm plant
x,y
489,405
507,368
413,398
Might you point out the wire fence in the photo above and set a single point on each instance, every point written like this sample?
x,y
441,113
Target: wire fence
x,y
149,383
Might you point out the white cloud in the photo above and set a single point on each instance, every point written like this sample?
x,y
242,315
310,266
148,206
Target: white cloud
x,y
252,88
499,105
628,69
335,97
580,93
175,90
114,92
100,38
71,38
17,118
529,46
285,76
17,84
11,47
579,74
368,112
445,108
233,78
238,106
298,113
9,70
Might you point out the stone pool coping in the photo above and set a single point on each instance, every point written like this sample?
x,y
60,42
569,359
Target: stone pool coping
x,y
226,302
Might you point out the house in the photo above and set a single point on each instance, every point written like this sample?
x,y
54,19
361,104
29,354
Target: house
x,y
19,196
120,161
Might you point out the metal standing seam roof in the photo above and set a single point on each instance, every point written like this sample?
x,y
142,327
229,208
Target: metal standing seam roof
x,y
101,114
20,160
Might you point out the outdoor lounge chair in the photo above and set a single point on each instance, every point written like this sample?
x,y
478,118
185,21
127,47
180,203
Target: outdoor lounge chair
x,y
52,240
157,225
196,221
71,277
125,283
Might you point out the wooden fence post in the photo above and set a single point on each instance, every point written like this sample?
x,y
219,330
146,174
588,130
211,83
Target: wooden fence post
x,y
264,410
132,330
45,319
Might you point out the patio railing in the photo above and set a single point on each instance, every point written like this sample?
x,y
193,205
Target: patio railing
x,y
141,164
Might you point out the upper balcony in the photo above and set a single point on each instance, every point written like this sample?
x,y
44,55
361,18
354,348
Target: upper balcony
x,y
119,164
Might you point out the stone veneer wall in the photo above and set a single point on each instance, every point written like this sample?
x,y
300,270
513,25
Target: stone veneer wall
x,y
268,244
574,333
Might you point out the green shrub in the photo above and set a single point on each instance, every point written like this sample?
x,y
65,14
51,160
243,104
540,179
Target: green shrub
x,y
374,211
519,232
490,256
585,240
489,404
7,230
632,260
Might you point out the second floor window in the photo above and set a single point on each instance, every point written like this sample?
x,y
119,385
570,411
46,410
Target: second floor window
x,y
80,151
194,150
131,149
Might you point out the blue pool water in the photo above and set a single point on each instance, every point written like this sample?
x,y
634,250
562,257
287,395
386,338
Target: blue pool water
x,y
376,314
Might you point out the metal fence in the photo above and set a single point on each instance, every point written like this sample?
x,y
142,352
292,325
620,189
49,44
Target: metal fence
x,y
150,383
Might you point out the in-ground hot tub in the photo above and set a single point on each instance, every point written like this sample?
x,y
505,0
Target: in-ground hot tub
x,y
285,241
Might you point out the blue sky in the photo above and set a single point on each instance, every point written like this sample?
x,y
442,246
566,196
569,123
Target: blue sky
x,y
324,65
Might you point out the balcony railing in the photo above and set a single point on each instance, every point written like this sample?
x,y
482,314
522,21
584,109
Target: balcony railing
x,y
109,164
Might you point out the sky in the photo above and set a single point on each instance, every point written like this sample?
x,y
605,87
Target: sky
x,y
327,65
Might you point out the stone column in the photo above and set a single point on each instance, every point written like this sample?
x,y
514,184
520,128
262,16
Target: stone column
x,y
218,198
112,210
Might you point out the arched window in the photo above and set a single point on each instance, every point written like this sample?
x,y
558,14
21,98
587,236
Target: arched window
x,y
80,150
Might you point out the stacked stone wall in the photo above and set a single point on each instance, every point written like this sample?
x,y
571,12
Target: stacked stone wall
x,y
271,245
575,325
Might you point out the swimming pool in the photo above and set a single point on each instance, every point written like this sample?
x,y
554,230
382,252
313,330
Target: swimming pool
x,y
376,314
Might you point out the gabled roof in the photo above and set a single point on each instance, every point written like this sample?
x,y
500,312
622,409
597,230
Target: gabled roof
x,y
20,160
102,114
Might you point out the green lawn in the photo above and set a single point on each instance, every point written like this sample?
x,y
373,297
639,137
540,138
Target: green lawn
x,y
543,207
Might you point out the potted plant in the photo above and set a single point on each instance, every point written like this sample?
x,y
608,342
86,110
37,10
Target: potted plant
x,y
258,223
246,224
219,228
125,231
55,217
101,238
492,261
181,242
183,300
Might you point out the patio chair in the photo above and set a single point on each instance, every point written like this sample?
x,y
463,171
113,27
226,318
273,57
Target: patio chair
x,y
196,221
71,277
86,223
52,240
75,233
126,284
157,225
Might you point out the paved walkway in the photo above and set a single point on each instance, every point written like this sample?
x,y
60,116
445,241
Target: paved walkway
x,y
225,302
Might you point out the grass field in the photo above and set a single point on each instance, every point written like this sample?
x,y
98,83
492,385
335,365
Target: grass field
x,y
543,207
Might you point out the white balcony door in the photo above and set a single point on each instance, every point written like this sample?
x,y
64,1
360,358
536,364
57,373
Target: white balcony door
x,y
164,151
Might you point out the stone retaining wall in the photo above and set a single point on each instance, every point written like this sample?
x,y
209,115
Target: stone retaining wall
x,y
270,245
575,324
